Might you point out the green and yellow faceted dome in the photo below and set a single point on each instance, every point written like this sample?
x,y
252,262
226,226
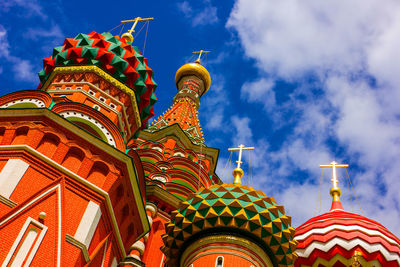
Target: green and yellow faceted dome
x,y
232,207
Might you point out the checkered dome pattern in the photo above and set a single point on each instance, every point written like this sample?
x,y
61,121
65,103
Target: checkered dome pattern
x,y
232,206
115,56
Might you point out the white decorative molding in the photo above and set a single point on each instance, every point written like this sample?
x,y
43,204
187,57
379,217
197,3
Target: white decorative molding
x,y
139,246
37,102
80,245
114,262
20,210
88,224
27,250
346,228
10,176
8,202
159,149
179,154
120,156
160,178
99,125
348,245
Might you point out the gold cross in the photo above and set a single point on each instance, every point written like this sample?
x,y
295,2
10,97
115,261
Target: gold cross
x,y
135,21
200,52
240,149
334,165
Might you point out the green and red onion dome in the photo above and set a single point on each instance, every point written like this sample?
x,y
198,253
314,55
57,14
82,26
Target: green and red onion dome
x,y
113,55
334,237
233,208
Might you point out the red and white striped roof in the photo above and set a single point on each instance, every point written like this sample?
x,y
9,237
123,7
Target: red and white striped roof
x,y
331,239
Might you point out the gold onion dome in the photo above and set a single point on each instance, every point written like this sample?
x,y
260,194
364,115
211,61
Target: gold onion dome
x,y
239,208
196,69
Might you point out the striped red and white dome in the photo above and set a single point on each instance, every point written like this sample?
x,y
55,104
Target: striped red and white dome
x,y
333,238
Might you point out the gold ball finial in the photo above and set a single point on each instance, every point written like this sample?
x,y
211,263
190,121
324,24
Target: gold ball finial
x,y
335,193
197,70
238,174
128,37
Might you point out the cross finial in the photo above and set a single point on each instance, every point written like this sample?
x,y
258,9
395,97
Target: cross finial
x,y
334,165
128,35
335,190
200,53
238,173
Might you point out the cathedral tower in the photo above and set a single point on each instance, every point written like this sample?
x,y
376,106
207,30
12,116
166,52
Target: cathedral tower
x,y
69,194
175,158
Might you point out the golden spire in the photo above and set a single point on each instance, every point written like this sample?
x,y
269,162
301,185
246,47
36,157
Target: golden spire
x,y
200,53
238,172
335,190
196,69
128,35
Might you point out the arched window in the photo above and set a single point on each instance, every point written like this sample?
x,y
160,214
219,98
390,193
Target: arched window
x,y
20,135
179,154
2,131
48,144
219,262
73,159
98,172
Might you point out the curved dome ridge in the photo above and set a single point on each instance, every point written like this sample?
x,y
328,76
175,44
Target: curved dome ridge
x,y
337,235
113,55
236,207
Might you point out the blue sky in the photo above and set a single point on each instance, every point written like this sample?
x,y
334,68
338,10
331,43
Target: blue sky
x,y
305,82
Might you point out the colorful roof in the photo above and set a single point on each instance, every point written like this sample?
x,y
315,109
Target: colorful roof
x,y
115,56
236,207
196,69
333,238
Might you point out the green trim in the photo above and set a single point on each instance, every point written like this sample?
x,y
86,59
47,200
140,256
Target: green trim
x,y
91,125
185,184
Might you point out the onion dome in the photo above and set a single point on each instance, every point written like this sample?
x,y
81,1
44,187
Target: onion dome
x,y
197,70
340,238
337,236
236,209
115,56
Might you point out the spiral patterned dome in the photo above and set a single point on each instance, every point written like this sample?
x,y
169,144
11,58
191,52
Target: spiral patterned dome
x,y
334,238
239,208
113,55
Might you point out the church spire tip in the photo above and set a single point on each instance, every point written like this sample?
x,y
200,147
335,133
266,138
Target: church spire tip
x,y
335,190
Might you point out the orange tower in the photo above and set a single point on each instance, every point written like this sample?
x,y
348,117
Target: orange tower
x,y
175,159
69,194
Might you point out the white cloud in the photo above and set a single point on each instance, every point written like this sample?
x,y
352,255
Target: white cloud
x,y
243,131
214,102
23,69
351,51
185,8
4,45
260,91
37,33
31,7
205,15
294,37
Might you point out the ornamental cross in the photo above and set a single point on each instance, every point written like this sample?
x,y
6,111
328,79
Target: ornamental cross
x,y
200,53
334,165
135,21
240,149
